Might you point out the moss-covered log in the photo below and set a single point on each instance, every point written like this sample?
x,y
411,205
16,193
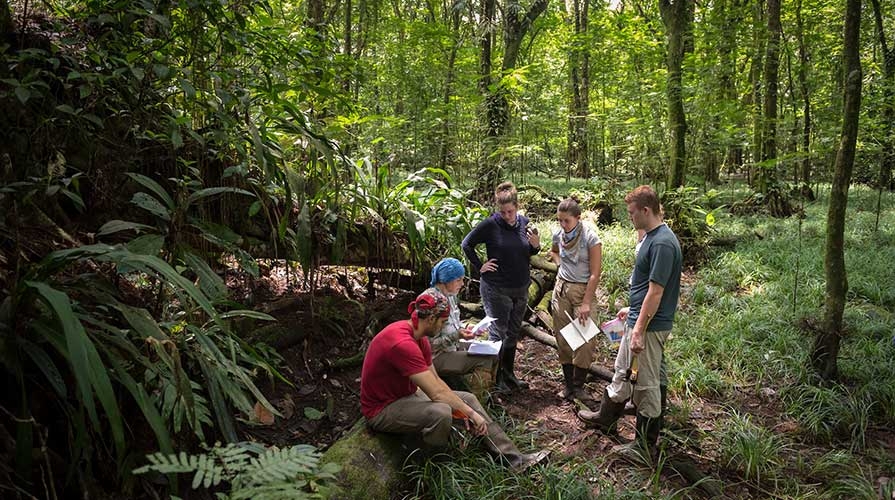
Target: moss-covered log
x,y
371,463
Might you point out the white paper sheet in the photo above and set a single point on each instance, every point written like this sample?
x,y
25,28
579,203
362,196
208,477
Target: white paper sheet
x,y
487,320
577,335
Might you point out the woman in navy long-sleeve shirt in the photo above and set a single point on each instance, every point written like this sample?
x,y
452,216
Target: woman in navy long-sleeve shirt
x,y
505,276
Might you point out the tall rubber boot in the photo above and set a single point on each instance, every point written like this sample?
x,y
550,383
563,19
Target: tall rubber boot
x,y
498,443
606,419
568,386
645,447
579,377
507,365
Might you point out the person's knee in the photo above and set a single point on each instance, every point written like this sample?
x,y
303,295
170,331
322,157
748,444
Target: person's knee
x,y
648,402
437,420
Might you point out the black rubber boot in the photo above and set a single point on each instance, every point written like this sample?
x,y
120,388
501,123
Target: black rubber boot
x,y
645,447
507,366
579,377
606,418
568,387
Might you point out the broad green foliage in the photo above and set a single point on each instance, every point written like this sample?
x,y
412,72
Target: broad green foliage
x,y
68,328
251,471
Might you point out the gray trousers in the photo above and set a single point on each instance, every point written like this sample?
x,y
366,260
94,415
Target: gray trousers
x,y
508,305
460,363
417,414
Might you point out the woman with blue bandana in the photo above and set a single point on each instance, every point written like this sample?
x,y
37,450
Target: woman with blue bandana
x,y
447,357
578,252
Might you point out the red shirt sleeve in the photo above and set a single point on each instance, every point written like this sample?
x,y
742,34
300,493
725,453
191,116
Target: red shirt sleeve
x,y
411,358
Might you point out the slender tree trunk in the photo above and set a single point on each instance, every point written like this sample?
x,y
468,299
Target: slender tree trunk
x,y
888,111
826,345
6,24
497,106
346,82
449,89
726,13
804,68
766,173
676,17
577,151
758,36
486,39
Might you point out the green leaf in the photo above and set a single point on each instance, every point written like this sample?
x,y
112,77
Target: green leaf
x,y
148,244
313,413
90,373
144,402
209,282
141,321
205,193
188,88
305,238
155,187
23,94
46,365
114,226
254,208
247,313
93,119
75,341
75,198
151,205
161,70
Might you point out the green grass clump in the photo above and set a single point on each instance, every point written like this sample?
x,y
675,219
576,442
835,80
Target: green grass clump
x,y
751,449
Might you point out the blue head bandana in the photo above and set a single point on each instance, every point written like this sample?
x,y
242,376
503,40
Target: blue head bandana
x,y
447,270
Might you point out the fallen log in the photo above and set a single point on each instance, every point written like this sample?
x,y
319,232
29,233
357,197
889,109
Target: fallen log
x,y
547,339
543,263
686,467
371,463
278,335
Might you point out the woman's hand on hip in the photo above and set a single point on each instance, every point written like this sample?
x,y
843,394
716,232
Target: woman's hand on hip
x,y
489,266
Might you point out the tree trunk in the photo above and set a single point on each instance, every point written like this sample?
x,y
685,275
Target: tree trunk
x,y
444,146
888,111
677,19
6,25
755,78
497,107
826,344
804,68
766,173
579,85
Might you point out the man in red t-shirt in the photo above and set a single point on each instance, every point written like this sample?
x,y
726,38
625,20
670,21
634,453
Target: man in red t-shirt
x,y
401,393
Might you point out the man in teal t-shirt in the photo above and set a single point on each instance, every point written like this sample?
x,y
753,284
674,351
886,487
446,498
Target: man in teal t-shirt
x,y
655,289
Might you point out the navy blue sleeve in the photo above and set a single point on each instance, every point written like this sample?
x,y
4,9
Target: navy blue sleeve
x,y
478,235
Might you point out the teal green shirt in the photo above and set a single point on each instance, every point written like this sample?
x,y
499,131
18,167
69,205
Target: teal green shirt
x,y
658,260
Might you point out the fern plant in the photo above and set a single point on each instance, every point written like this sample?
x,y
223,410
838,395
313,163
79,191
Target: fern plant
x,y
251,470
